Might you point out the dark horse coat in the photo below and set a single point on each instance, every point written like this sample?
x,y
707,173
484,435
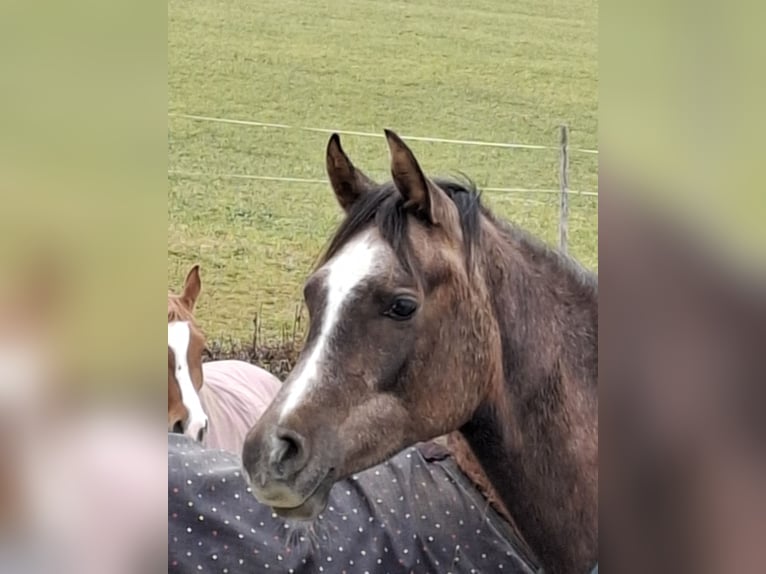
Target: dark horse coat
x,y
416,512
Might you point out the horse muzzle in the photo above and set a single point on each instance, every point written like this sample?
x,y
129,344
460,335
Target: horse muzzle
x,y
284,475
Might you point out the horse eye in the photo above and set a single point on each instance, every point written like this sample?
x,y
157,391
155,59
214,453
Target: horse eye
x,y
403,308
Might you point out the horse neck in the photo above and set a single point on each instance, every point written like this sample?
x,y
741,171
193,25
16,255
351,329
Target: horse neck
x,y
537,433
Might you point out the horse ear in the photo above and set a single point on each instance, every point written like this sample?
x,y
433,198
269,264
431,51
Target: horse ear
x,y
348,183
419,192
192,288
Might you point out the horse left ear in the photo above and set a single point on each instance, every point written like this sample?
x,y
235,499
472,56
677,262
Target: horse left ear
x,y
421,194
192,288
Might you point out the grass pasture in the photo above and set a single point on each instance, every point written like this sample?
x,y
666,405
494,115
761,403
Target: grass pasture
x,y
494,71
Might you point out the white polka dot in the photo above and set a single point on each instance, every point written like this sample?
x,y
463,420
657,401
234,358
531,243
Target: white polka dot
x,y
214,557
201,518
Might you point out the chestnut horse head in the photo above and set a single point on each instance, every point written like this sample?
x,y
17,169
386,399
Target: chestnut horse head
x,y
186,344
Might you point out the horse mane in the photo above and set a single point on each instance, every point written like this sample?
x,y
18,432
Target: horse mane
x,y
384,206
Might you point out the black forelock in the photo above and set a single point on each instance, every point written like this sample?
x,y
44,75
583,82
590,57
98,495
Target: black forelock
x,y
384,208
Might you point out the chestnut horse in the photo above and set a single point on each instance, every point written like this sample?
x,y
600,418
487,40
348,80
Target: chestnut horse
x,y
217,402
186,344
430,315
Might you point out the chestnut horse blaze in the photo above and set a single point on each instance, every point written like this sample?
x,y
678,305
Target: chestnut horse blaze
x,y
430,315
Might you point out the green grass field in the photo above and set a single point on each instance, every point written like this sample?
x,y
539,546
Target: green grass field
x,y
496,71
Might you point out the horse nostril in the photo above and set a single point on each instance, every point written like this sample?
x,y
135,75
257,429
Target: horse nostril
x,y
202,432
178,428
289,453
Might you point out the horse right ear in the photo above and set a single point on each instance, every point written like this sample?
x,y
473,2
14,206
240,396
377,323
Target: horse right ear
x,y
192,288
348,183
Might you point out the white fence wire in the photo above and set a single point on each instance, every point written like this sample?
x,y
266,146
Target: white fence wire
x,y
272,125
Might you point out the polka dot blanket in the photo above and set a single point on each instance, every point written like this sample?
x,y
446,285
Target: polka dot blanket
x,y
416,513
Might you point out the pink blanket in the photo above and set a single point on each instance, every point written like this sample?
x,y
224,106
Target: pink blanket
x,y
234,395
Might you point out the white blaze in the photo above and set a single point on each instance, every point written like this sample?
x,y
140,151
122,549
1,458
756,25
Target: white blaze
x,y
354,263
179,335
